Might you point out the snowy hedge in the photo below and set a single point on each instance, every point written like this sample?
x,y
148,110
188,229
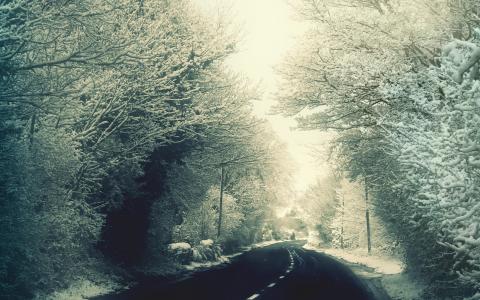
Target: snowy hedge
x,y
205,251
435,138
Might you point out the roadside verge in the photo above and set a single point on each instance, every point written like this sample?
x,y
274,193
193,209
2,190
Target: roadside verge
x,y
385,276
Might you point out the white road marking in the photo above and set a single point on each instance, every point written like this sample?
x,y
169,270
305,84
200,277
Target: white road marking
x,y
299,258
255,296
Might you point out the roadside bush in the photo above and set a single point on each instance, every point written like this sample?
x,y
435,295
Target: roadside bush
x,y
181,252
207,250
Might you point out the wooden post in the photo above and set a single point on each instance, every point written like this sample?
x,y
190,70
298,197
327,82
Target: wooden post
x,y
220,209
367,216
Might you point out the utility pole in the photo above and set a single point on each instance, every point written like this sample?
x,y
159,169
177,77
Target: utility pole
x,y
367,216
343,217
220,208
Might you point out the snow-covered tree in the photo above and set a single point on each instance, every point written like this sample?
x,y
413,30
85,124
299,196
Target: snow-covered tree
x,y
89,90
319,203
436,142
403,98
200,222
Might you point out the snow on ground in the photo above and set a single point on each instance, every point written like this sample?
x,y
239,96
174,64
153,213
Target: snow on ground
x,y
82,289
402,287
391,271
265,244
381,264
85,289
208,264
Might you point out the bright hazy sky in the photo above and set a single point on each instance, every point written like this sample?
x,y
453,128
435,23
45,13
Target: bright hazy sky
x,y
269,29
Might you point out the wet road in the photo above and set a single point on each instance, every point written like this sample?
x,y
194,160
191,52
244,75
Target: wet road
x,y
280,271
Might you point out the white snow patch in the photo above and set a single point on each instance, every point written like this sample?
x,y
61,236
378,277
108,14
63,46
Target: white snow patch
x,y
82,289
206,243
179,246
266,243
208,264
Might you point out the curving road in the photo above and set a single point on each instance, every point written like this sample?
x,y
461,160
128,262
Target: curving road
x,y
280,271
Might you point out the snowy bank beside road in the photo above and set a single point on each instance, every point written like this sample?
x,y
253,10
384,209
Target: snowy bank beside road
x,y
389,270
194,266
402,287
83,289
381,264
223,259
218,259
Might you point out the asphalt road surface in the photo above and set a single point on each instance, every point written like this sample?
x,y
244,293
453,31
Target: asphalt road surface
x,y
280,271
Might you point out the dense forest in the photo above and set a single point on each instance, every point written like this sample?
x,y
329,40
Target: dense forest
x,y
397,81
118,123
